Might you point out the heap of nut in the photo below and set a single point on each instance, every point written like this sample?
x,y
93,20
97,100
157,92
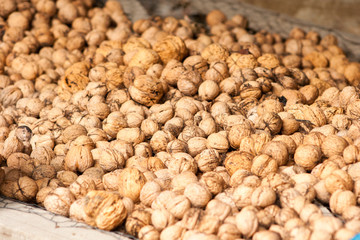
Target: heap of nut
x,y
177,130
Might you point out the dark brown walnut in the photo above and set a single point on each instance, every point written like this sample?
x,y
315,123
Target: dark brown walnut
x,y
146,90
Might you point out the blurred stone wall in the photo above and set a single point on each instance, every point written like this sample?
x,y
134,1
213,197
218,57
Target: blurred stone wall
x,y
338,14
338,17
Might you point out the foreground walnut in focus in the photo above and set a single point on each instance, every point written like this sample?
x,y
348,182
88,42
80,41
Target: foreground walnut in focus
x,y
146,90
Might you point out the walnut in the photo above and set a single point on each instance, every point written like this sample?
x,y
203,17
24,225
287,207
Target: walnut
x,y
130,183
340,200
213,181
81,186
338,179
218,142
188,82
238,160
66,177
59,201
136,220
162,218
207,160
214,52
269,61
310,113
104,210
172,232
149,192
307,156
333,145
170,47
263,197
247,222
198,194
146,90
263,164
78,158
148,233
144,58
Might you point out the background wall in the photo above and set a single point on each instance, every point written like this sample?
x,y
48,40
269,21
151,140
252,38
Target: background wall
x,y
339,14
338,17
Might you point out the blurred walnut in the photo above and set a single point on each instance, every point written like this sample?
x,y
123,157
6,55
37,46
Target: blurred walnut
x,y
59,200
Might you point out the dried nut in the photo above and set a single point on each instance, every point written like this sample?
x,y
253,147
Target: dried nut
x,y
146,90
149,192
59,201
247,222
333,145
263,165
276,150
238,160
338,179
328,224
263,197
180,181
340,200
82,186
143,58
172,233
104,210
269,61
213,182
237,133
214,52
131,181
228,231
266,235
171,47
218,142
136,220
148,233
207,160
307,156
198,194
78,158
162,218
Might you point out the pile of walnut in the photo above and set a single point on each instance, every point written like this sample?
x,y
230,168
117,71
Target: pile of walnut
x,y
175,130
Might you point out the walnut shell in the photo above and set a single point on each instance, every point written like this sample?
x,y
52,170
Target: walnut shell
x,y
136,220
104,210
78,158
247,222
171,47
59,201
238,160
146,90
131,181
340,200
307,156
